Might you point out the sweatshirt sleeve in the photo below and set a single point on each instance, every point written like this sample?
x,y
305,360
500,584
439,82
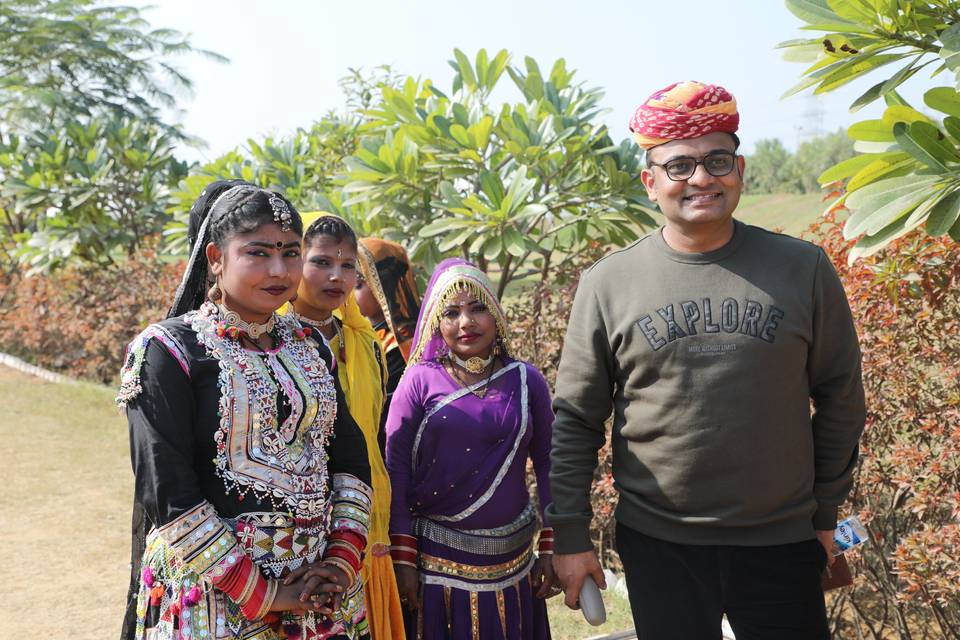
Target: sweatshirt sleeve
x,y
583,401
833,367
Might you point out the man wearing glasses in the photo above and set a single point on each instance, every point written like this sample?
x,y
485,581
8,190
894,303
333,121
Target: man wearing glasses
x,y
708,340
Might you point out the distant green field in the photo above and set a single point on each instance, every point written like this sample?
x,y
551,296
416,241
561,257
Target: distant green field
x,y
789,213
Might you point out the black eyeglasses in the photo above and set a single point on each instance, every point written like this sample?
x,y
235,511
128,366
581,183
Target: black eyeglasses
x,y
716,163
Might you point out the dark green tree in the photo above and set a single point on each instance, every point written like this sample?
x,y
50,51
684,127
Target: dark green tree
x,y
816,155
770,169
70,60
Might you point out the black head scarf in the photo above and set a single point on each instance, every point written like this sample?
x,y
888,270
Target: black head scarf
x,y
193,287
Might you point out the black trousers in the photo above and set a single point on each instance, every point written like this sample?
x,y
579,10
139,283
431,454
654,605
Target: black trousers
x,y
680,591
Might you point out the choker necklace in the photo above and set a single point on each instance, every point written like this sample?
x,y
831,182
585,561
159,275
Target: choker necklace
x,y
474,365
319,323
253,329
342,350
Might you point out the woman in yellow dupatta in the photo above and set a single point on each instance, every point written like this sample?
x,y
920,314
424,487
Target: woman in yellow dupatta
x,y
326,302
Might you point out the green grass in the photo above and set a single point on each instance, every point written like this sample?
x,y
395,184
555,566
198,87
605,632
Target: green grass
x,y
788,212
65,509
567,624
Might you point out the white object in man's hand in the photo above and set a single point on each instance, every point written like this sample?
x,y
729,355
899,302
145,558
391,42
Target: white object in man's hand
x,y
572,569
592,603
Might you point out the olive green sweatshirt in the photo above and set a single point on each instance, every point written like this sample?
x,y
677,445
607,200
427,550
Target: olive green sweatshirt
x,y
709,363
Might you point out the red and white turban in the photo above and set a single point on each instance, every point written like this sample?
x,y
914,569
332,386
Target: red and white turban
x,y
684,110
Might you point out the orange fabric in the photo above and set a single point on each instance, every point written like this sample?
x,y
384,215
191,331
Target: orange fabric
x,y
384,614
388,340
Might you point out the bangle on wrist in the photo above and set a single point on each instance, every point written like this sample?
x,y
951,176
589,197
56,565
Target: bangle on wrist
x,y
403,549
344,566
269,597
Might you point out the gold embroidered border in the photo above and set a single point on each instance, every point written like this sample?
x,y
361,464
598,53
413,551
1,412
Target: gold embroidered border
x,y
502,610
474,616
474,572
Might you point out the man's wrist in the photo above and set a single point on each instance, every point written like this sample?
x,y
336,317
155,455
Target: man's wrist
x,y
825,517
571,538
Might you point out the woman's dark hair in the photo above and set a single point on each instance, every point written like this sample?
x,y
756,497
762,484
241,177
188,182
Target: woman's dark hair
x,y
224,209
332,226
243,211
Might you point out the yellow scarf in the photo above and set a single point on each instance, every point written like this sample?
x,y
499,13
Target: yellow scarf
x,y
363,377
362,374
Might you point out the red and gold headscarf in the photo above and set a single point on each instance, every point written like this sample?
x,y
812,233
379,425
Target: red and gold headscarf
x,y
684,110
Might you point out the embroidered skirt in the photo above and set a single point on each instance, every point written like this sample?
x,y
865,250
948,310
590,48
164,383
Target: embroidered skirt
x,y
271,541
476,585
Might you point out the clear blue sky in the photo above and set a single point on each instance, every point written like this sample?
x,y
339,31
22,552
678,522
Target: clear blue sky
x,y
287,55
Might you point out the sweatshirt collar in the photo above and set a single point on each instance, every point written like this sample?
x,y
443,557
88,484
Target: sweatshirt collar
x,y
739,233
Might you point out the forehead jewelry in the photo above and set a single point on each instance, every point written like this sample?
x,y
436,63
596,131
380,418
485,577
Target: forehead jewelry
x,y
281,212
339,252
279,244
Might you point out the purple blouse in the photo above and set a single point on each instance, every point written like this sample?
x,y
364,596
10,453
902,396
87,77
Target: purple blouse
x,y
460,459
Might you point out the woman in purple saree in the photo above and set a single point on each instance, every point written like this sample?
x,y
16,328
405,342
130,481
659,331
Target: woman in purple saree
x,y
463,422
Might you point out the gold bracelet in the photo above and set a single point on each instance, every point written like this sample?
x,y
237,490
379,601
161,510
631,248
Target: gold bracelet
x,y
343,565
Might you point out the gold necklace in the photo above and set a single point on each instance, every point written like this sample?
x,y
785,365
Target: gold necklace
x,y
481,391
475,365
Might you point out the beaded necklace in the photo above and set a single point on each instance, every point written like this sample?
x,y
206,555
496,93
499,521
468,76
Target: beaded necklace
x,y
281,463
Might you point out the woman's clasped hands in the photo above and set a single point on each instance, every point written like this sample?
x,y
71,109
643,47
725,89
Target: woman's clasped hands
x,y
317,587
